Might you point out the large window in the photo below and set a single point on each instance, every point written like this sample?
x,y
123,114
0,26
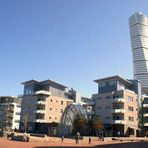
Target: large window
x,y
113,82
28,91
103,84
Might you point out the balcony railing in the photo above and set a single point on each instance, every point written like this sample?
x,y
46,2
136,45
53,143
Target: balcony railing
x,y
120,100
145,124
41,102
42,92
118,122
118,111
145,114
40,111
145,105
40,120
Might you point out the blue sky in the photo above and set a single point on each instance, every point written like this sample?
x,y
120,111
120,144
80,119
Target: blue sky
x,y
70,41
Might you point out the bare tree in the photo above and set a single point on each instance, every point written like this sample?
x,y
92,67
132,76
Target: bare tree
x,y
97,124
25,121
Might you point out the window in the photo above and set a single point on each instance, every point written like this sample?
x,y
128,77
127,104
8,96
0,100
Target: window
x,y
98,108
130,108
107,107
28,91
116,118
49,117
107,118
99,97
113,82
55,118
62,102
108,97
50,108
51,100
61,110
103,84
56,101
131,118
130,99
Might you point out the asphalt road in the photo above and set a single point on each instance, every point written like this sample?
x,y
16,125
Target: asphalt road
x,y
123,145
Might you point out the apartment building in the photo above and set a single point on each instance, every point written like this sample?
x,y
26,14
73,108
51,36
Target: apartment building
x,y
116,104
145,113
10,108
43,103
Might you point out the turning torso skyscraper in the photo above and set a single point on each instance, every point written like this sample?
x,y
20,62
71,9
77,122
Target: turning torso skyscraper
x,y
138,23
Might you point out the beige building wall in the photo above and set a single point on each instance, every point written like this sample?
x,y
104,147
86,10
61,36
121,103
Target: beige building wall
x,y
55,106
44,109
106,109
133,104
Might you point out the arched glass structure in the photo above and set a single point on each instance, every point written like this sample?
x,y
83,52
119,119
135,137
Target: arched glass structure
x,y
68,117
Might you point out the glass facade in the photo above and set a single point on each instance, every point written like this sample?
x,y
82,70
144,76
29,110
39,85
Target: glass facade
x,y
66,125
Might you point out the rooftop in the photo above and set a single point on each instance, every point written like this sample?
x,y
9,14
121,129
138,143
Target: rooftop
x,y
44,82
116,77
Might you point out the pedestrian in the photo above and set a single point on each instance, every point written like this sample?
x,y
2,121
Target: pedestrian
x,y
77,136
62,139
118,133
101,136
89,140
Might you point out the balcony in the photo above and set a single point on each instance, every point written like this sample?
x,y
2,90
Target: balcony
x,y
145,114
118,122
119,100
42,92
40,111
40,120
145,105
145,124
117,111
10,115
41,102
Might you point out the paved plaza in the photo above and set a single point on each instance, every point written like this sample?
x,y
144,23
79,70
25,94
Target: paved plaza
x,y
70,143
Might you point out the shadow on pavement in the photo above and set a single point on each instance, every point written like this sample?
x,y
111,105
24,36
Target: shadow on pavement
x,y
123,145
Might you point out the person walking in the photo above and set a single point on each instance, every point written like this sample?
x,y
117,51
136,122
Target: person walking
x,y
62,139
89,140
77,137
118,134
